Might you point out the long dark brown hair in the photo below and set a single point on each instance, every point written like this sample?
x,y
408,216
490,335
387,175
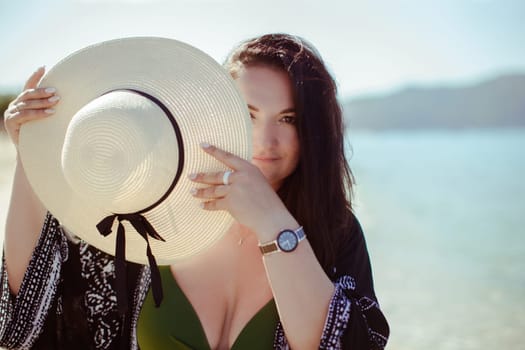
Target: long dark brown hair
x,y
319,192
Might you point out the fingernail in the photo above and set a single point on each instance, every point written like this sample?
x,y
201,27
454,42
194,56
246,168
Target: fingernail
x,y
201,205
54,98
49,110
193,191
205,145
192,176
50,90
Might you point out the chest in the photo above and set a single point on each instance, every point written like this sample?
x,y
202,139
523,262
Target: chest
x,y
226,288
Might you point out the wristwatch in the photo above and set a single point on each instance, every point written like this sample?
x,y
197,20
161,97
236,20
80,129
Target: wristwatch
x,y
287,241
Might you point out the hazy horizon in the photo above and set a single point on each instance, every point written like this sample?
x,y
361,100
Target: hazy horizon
x,y
15,89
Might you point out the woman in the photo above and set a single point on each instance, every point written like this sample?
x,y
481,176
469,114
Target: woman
x,y
235,295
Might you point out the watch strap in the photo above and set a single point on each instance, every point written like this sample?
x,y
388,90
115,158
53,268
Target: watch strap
x,y
269,248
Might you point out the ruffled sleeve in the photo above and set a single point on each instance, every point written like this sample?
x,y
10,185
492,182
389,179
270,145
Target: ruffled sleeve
x,y
354,320
22,317
358,320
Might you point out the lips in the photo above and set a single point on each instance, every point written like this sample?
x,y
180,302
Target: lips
x,y
265,158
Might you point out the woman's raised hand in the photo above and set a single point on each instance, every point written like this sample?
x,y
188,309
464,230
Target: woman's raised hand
x,y
247,196
25,216
33,103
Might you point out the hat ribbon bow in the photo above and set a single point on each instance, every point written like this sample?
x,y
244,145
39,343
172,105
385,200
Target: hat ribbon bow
x,y
145,229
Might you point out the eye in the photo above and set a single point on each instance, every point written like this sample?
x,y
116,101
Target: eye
x,y
288,119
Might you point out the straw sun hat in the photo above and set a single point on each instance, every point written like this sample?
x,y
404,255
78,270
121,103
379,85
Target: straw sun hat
x,y
123,139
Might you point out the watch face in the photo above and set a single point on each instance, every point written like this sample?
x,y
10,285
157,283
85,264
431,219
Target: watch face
x,y
287,241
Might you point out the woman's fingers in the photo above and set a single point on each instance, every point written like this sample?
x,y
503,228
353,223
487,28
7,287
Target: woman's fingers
x,y
33,80
238,165
213,178
23,116
211,192
231,160
217,204
40,100
33,103
36,94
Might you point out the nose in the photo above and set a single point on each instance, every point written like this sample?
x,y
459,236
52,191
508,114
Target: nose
x,y
264,135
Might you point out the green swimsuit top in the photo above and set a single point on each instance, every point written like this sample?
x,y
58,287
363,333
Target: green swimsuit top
x,y
175,324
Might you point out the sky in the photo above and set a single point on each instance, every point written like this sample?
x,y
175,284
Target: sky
x,y
370,46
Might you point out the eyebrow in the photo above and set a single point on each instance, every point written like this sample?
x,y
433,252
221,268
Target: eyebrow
x,y
287,110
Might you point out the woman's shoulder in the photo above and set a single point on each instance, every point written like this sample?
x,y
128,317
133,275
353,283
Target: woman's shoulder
x,y
351,234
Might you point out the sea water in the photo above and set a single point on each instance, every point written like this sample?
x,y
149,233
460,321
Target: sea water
x,y
444,217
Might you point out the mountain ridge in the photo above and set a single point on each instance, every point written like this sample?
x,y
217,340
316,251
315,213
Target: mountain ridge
x,y
495,102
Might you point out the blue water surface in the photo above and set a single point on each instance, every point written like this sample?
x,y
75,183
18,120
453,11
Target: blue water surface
x,y
444,216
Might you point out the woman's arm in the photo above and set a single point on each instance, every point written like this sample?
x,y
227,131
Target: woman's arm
x,y
354,319
301,289
26,214
25,218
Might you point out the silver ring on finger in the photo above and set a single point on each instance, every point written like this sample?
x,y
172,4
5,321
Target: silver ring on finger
x,y
226,177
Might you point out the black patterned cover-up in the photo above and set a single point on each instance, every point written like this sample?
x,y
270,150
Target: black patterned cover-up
x,y
67,300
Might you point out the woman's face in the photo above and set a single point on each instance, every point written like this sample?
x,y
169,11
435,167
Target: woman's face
x,y
268,93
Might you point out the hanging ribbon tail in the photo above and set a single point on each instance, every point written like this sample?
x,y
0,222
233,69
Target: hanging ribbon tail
x,y
105,225
145,229
142,225
151,231
156,283
120,271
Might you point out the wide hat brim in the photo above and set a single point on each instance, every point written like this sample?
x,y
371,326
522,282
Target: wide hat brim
x,y
203,99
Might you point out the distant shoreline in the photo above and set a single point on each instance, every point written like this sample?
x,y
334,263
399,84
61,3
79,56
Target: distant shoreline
x,y
498,102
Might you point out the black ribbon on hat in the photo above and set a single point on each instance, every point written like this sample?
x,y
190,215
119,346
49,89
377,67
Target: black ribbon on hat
x,y
141,224
145,229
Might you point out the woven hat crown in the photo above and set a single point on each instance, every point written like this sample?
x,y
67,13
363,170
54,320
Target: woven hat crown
x,y
120,150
